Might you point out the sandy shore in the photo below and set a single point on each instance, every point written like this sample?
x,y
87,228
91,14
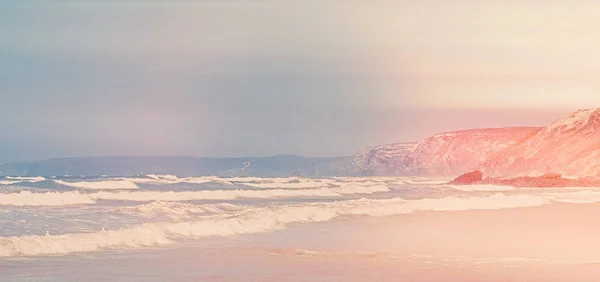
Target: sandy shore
x,y
554,232
559,242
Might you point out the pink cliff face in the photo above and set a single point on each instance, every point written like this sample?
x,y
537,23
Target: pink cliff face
x,y
457,152
569,146
443,154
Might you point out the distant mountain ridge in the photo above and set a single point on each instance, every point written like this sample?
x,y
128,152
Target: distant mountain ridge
x,y
276,166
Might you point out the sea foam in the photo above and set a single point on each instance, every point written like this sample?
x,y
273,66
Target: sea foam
x,y
9,180
263,220
178,210
26,198
488,188
116,184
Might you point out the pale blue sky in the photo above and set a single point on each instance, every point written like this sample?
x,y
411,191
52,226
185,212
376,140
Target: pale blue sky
x,y
256,78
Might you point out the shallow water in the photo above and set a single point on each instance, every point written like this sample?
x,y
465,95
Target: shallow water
x,y
339,229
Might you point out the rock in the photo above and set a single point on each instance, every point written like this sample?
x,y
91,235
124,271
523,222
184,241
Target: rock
x,y
468,178
551,175
548,180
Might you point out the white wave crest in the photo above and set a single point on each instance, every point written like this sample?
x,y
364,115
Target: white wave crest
x,y
172,179
287,185
289,182
27,198
9,180
426,181
75,197
490,188
261,220
350,189
141,236
167,177
212,195
26,179
117,184
177,210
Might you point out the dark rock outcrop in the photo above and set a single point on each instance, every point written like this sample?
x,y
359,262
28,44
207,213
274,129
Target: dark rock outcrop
x,y
468,178
549,180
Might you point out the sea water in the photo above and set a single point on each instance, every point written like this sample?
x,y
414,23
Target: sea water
x,y
169,228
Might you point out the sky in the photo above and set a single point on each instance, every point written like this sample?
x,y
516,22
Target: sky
x,y
265,77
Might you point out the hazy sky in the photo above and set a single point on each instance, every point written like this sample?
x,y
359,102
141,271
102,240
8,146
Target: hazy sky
x,y
255,78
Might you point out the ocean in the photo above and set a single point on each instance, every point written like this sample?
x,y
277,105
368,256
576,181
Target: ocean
x,y
169,228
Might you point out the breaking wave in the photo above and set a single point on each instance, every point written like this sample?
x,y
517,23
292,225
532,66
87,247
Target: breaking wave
x,y
9,180
123,183
27,198
263,220
288,185
256,182
177,210
172,179
26,179
426,181
356,189
119,184
488,188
